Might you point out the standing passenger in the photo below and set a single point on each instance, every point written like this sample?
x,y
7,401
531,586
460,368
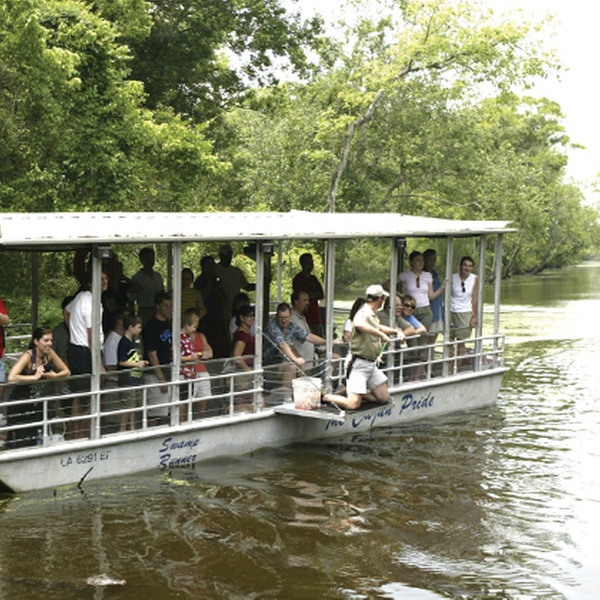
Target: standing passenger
x,y
437,308
129,358
60,334
419,284
157,337
463,307
79,354
145,284
348,323
305,281
189,322
190,296
231,279
213,324
204,350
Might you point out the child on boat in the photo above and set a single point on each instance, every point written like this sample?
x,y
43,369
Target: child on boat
x,y
194,348
131,365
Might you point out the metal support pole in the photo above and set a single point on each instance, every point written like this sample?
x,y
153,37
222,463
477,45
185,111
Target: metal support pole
x,y
447,301
98,253
497,282
329,298
481,281
175,260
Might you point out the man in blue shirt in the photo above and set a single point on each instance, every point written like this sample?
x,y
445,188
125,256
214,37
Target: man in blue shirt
x,y
280,336
437,326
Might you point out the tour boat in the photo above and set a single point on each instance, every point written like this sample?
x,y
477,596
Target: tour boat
x,y
268,419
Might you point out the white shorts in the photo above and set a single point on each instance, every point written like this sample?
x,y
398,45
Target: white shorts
x,y
364,376
202,385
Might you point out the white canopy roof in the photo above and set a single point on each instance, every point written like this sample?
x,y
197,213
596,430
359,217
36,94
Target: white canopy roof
x,y
28,230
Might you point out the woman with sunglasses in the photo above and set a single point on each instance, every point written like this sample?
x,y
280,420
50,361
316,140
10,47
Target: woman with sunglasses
x,y
417,339
463,306
419,283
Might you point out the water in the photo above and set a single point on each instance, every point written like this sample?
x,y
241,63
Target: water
x,y
498,503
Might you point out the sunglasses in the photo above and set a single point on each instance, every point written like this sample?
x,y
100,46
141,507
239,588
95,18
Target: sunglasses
x,y
462,283
412,306
419,282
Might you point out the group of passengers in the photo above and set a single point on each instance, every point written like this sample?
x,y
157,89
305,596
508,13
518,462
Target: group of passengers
x,y
218,321
418,317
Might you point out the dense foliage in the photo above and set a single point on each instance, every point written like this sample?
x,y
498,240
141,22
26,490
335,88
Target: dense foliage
x,y
140,105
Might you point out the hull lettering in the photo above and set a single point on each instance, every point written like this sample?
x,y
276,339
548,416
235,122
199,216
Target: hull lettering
x,y
177,454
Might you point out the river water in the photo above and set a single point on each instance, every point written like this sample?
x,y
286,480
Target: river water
x,y
499,503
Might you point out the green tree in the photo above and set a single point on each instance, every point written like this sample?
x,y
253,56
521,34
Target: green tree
x,y
75,133
200,55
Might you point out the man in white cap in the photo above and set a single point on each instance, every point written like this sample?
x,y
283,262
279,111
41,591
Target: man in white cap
x,y
364,378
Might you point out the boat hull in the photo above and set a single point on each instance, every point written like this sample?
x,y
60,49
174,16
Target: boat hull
x,y
163,449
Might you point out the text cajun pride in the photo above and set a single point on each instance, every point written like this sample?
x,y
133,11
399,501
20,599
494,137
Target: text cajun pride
x,y
408,403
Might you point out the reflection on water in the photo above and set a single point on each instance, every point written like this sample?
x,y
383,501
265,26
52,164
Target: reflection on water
x,y
498,503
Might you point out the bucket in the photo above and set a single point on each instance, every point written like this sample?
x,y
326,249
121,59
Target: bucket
x,y
307,392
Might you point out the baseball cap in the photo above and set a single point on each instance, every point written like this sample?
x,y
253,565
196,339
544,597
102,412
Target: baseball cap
x,y
377,291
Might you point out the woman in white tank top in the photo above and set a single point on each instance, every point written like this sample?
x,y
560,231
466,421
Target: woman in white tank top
x,y
464,297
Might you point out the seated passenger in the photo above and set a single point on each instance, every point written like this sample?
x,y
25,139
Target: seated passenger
x,y
348,324
242,357
244,340
35,366
306,349
401,322
418,356
408,305
241,299
280,336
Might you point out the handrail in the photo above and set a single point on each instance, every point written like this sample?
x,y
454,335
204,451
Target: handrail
x,y
229,390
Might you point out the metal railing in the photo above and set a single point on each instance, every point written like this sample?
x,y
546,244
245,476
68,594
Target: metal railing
x,y
33,415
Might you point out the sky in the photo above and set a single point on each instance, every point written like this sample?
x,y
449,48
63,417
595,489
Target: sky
x,y
577,42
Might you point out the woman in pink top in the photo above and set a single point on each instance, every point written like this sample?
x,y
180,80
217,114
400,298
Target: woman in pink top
x,y
419,284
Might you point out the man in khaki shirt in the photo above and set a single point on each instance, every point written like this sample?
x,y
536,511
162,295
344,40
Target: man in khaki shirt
x,y
364,378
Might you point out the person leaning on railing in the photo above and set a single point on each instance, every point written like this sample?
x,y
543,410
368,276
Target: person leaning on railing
x,y
364,379
38,364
